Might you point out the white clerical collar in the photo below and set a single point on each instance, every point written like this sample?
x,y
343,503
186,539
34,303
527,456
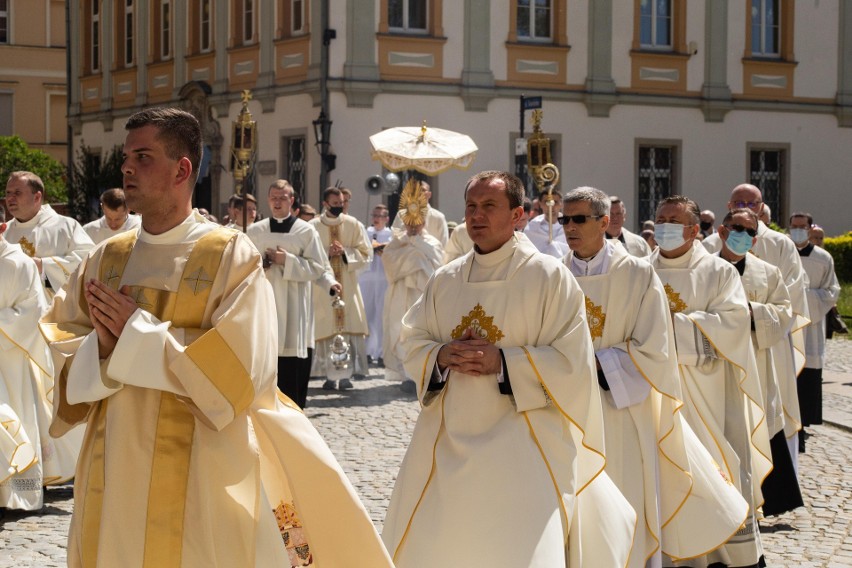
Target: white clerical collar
x,y
598,264
174,235
282,219
36,218
495,257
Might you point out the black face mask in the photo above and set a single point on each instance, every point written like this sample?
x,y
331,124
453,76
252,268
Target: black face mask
x,y
706,225
335,211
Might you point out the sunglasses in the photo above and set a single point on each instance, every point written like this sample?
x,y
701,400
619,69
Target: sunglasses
x,y
747,204
740,229
578,219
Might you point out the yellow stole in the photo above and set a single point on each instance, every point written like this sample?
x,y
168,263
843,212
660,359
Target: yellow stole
x,y
175,424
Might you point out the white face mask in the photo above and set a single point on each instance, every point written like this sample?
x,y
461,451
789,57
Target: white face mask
x,y
669,236
799,235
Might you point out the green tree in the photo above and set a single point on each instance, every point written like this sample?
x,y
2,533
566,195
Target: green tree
x,y
94,174
15,155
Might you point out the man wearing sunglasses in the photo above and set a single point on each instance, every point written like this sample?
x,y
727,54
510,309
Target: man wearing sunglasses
x,y
771,317
722,397
778,250
628,319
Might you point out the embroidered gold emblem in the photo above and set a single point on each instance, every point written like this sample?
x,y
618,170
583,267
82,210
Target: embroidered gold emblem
x,y
482,325
290,526
198,281
595,317
676,305
142,300
27,247
111,275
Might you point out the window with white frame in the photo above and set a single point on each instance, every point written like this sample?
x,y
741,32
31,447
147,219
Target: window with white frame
x,y
655,24
766,28
165,29
248,21
297,17
96,36
534,19
205,24
407,15
4,21
128,33
655,177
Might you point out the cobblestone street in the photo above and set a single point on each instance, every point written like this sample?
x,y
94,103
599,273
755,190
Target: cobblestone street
x,y
369,427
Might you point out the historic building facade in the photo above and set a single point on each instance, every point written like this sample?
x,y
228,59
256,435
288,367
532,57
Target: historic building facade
x,y
32,74
641,98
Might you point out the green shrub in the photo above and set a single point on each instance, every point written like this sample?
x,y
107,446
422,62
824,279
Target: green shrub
x,y
15,155
840,249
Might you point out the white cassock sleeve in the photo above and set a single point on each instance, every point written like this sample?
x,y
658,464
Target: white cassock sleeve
x,y
58,268
626,384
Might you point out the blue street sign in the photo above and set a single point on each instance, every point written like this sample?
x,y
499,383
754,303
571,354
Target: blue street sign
x,y
531,103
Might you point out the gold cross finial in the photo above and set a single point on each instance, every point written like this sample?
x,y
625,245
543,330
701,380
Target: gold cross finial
x,y
246,96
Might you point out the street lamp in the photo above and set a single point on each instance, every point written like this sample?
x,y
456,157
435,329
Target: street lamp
x,y
243,151
322,133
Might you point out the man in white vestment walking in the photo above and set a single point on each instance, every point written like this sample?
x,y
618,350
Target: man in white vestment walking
x,y
722,396
544,230
685,507
55,243
165,346
115,219
633,243
374,283
29,457
293,259
510,431
823,292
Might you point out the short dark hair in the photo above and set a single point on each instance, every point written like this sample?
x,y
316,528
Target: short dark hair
x,y
741,211
527,205
514,186
691,207
329,191
237,200
33,181
282,184
113,198
807,216
177,129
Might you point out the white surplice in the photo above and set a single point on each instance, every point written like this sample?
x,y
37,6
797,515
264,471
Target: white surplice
x,y
99,231
538,232
190,457
686,508
60,242
29,457
492,479
633,243
374,285
436,224
823,292
459,244
409,263
292,283
722,396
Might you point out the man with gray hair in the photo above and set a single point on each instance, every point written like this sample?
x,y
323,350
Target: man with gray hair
x,y
56,243
647,456
635,245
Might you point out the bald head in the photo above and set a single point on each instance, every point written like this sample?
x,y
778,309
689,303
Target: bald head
x,y
746,196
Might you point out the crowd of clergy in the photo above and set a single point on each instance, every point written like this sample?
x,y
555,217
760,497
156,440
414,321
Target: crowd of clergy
x,y
658,384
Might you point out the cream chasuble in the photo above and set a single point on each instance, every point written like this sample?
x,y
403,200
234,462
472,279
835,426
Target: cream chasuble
x,y
458,245
59,241
773,316
686,506
29,457
778,250
722,396
490,479
633,243
823,291
99,231
409,263
292,283
190,459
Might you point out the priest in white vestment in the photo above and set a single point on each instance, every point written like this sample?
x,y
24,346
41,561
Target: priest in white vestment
x,y
510,430
459,243
374,283
778,250
56,243
436,222
29,457
164,344
823,292
633,243
544,231
116,217
349,252
293,259
410,260
771,317
685,506
721,388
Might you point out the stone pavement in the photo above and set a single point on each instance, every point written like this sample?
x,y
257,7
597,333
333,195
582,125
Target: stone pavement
x,y
369,427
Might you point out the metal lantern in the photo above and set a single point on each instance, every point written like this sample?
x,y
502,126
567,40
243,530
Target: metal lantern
x,y
543,171
339,356
243,149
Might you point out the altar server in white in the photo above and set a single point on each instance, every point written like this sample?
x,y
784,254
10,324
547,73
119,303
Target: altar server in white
x,y
374,283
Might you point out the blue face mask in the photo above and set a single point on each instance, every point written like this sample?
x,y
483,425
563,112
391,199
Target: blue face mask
x,y
669,236
739,242
799,235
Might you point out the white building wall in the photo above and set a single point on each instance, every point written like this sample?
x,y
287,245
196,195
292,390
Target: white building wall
x,y
695,36
736,45
499,35
578,39
453,23
815,48
622,42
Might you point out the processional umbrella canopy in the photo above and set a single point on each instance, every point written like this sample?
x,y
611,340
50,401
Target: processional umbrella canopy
x,y
430,151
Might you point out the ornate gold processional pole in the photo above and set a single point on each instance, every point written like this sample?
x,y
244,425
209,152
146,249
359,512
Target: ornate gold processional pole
x,y
243,151
544,172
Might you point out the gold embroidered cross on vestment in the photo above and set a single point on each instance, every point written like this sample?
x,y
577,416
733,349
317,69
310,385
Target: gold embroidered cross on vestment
x,y
595,317
676,305
198,281
481,324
